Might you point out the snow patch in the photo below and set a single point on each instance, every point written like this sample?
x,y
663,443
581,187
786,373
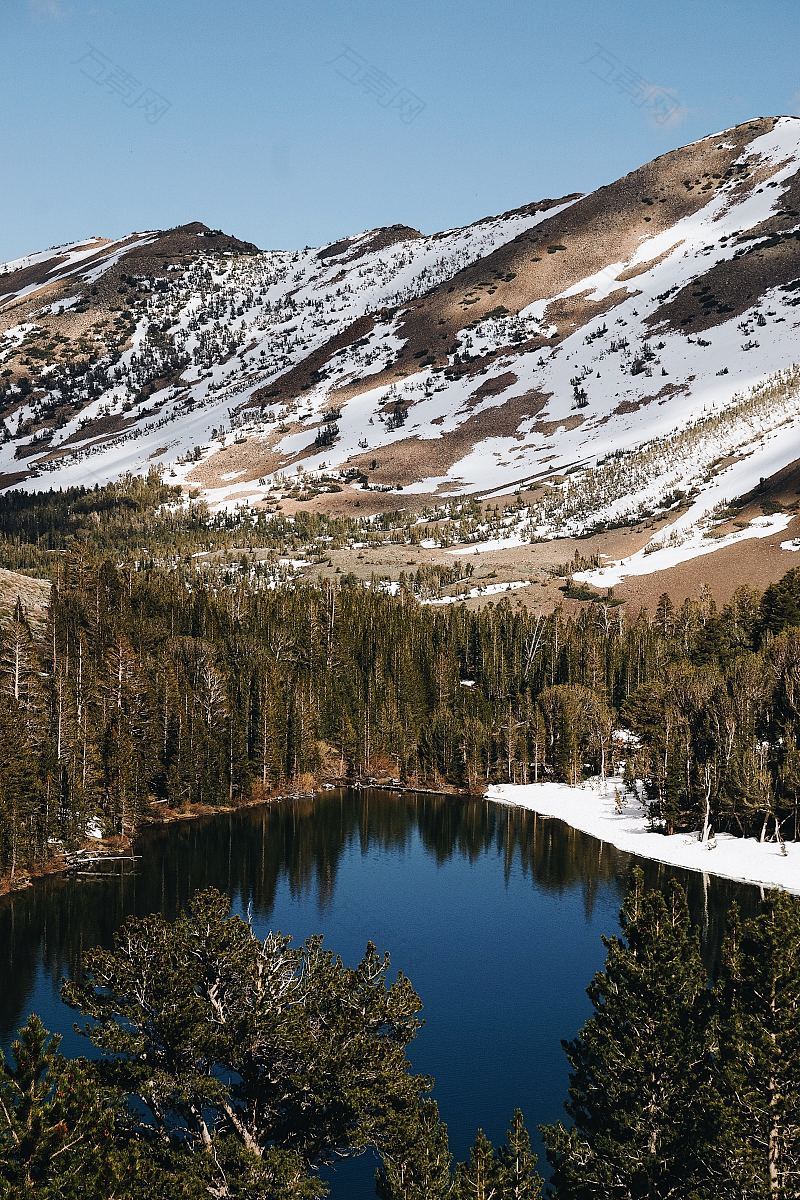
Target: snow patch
x,y
695,545
487,589
593,809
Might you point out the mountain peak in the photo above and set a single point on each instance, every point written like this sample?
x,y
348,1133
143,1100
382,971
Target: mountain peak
x,y
509,353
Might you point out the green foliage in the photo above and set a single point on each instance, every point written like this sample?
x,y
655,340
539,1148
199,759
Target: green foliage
x,y
479,1177
231,1067
57,1128
630,1089
681,1091
755,1150
415,1160
251,1052
519,1179
156,680
65,1135
507,1173
780,604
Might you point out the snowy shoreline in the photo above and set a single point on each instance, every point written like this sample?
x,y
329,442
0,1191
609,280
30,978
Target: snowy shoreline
x,y
591,808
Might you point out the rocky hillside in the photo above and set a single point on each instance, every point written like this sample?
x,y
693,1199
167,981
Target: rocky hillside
x,y
622,353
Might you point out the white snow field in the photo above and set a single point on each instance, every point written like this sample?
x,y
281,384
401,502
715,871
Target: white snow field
x,y
643,381
695,545
592,809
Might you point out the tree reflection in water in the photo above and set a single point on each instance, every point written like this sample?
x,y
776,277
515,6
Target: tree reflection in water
x,y
300,844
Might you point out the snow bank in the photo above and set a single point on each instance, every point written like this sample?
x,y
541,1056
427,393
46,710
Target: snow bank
x,y
591,808
486,589
648,561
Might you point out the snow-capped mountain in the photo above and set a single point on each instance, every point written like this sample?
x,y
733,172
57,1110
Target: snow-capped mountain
x,y
631,346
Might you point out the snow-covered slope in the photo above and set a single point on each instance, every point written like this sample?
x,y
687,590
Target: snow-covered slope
x,y
624,348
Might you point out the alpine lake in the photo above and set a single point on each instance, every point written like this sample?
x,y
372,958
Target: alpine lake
x,y
494,913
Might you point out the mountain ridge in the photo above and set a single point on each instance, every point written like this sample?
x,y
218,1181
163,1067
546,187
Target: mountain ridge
x,y
520,351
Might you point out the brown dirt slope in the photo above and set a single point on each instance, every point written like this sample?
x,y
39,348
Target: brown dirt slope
x,y
597,230
584,238
33,593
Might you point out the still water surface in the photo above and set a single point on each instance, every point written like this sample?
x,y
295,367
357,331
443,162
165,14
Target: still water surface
x,y
495,914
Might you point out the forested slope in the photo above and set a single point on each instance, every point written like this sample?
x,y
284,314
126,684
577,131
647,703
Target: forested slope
x,y
153,681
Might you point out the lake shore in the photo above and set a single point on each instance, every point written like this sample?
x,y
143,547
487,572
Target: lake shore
x,y
592,808
106,848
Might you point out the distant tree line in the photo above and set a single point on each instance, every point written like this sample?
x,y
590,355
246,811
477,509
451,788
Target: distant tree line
x,y
142,519
152,685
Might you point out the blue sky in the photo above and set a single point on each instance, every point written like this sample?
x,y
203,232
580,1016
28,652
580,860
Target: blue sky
x,y
293,122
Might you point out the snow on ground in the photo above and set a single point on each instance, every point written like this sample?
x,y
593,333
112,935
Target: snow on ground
x,y
486,547
487,589
282,305
696,545
60,306
701,374
70,260
604,384
14,337
70,251
591,808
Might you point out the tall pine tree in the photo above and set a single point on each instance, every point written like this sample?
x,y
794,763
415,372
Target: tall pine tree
x,y
635,1063
755,1153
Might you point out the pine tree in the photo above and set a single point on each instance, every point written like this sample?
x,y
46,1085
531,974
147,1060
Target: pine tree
x,y
634,1064
479,1178
415,1163
755,1151
234,1046
57,1128
518,1177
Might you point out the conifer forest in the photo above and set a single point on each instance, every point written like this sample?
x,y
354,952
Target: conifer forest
x,y
151,681
220,1064
400,600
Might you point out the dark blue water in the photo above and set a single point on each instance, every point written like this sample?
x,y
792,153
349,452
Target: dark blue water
x,y
495,914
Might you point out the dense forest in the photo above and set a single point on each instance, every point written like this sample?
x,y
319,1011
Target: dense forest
x,y
151,682
224,1066
161,680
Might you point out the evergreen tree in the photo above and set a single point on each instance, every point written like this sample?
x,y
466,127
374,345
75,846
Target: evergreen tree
x,y
634,1065
480,1177
415,1162
518,1177
156,680
234,1047
755,1151
57,1128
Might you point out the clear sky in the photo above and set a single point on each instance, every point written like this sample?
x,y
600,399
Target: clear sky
x,y
293,122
